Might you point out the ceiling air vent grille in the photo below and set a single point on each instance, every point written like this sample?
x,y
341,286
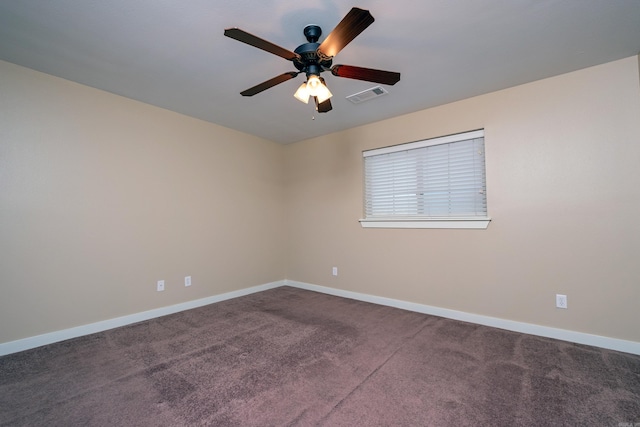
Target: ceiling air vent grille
x,y
366,95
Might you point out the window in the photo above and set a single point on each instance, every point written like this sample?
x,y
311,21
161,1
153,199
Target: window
x,y
435,183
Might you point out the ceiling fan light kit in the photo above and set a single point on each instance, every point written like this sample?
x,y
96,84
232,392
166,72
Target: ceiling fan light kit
x,y
313,58
315,87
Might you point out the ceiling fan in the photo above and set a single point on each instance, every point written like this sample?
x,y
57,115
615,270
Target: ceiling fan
x,y
313,58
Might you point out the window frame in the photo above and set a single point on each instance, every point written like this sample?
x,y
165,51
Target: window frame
x,y
461,222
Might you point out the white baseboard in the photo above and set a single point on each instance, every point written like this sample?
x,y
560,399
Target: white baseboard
x,y
52,337
510,325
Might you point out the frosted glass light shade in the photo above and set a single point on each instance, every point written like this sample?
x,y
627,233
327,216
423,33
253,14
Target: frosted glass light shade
x,y
302,94
323,93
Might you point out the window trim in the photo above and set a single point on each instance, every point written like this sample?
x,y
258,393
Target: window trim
x,y
426,222
465,223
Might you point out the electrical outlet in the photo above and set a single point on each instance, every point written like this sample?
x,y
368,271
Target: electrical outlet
x,y
334,271
160,286
187,280
561,301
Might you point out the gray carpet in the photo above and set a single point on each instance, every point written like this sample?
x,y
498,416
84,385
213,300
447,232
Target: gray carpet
x,y
293,357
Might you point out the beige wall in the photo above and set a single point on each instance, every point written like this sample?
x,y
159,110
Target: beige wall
x,y
101,196
563,183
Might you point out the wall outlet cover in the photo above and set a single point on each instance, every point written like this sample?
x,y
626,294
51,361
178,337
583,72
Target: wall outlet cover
x,y
561,301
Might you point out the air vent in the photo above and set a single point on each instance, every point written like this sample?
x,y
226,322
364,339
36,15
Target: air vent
x,y
366,95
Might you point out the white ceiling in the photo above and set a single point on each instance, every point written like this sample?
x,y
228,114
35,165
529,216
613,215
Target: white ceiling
x,y
172,53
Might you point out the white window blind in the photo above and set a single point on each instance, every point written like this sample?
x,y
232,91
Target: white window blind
x,y
426,180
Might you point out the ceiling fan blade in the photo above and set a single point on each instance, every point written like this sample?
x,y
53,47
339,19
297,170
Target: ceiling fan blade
x,y
250,39
367,74
323,107
269,83
355,22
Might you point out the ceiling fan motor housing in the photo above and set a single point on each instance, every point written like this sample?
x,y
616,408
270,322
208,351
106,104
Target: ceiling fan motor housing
x,y
310,62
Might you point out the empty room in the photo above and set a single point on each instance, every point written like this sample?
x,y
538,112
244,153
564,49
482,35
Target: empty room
x,y
320,213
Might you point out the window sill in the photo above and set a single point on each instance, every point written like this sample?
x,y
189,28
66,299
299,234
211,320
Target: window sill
x,y
475,223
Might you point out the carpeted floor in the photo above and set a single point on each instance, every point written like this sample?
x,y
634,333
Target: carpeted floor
x,y
293,357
